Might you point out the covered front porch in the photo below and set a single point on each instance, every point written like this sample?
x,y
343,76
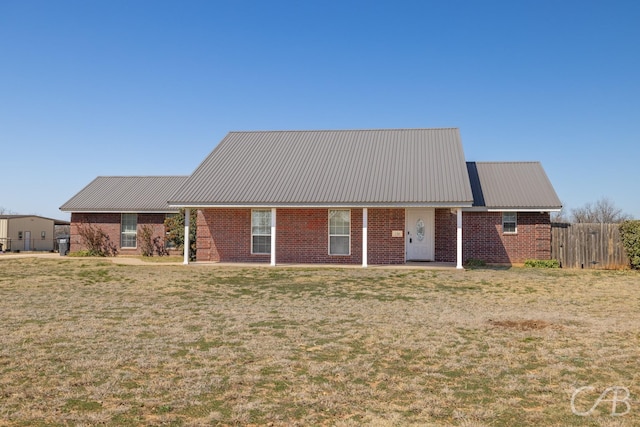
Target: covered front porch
x,y
364,236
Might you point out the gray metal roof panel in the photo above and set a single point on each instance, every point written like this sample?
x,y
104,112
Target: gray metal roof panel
x,y
322,167
511,185
125,194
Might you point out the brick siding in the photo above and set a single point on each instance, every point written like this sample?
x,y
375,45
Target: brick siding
x,y
483,237
381,247
445,236
224,235
110,224
302,236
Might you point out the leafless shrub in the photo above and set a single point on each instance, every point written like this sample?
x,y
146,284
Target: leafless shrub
x,y
150,244
97,242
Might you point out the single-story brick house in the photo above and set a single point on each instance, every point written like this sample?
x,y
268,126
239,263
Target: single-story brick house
x,y
121,206
359,197
365,197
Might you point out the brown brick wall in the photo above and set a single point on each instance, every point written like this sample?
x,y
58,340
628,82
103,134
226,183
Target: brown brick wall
x,y
110,224
381,247
224,235
445,247
302,236
483,237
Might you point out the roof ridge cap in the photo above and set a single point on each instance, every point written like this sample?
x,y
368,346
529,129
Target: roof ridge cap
x,y
142,176
341,130
504,161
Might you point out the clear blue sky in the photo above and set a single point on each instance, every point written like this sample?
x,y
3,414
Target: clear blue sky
x,y
131,87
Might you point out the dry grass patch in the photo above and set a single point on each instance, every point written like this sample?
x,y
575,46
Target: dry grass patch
x,y
87,342
524,325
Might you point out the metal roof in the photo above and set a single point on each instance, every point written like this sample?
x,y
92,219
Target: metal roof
x,y
17,216
125,194
340,168
512,185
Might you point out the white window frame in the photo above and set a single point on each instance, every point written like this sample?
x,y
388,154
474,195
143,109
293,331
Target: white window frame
x,y
128,233
336,234
261,234
510,218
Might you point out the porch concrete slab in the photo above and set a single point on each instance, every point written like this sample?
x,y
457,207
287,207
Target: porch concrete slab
x,y
407,266
412,265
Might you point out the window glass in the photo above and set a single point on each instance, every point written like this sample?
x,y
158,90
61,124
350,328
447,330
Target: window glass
x,y
261,231
509,222
339,232
128,228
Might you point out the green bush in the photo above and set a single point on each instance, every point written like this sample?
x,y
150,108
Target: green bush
x,y
175,231
473,262
81,253
542,263
630,235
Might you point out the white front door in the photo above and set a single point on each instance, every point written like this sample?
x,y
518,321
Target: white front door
x,y
27,240
420,238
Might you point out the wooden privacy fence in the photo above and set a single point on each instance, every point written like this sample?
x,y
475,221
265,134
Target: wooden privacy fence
x,y
587,245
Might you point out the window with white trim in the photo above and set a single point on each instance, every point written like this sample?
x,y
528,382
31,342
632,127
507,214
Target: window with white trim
x,y
128,230
339,232
261,231
509,222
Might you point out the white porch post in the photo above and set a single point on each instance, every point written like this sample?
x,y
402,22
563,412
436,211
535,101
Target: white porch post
x,y
365,215
273,236
187,245
459,238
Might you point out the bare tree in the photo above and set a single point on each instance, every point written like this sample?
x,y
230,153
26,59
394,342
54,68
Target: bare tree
x,y
602,211
5,211
560,216
62,230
